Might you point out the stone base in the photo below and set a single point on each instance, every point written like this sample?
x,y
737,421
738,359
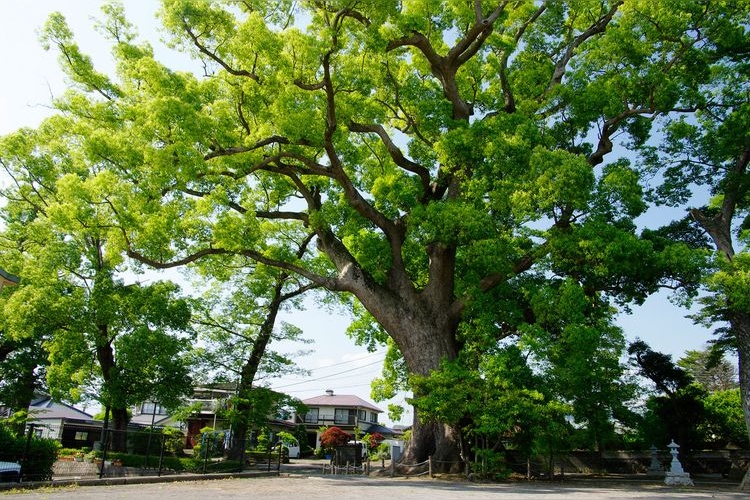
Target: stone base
x,y
678,479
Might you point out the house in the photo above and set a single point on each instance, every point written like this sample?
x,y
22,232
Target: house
x,y
55,420
151,413
345,411
208,403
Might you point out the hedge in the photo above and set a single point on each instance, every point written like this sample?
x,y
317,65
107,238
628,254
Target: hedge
x,y
41,456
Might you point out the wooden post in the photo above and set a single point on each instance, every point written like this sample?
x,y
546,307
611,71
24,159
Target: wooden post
x,y
393,467
429,462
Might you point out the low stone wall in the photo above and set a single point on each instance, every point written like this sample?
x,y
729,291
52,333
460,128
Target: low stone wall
x,y
727,463
69,468
64,469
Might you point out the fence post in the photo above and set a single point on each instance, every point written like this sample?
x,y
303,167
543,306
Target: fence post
x,y
393,467
243,459
161,453
278,465
429,465
205,452
25,457
105,447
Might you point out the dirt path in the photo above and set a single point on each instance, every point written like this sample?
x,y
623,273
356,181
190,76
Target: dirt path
x,y
342,487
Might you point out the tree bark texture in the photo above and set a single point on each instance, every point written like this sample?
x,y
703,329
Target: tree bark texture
x,y
740,323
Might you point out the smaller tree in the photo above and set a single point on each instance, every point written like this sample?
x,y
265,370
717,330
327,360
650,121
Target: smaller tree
x,y
373,440
676,408
333,436
710,369
724,421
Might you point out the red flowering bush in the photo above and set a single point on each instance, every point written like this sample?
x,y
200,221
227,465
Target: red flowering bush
x,y
373,440
334,436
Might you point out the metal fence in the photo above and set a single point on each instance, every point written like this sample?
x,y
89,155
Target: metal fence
x,y
148,452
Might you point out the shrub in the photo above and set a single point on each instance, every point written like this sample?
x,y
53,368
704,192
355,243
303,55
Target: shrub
x,y
373,440
334,436
41,456
68,452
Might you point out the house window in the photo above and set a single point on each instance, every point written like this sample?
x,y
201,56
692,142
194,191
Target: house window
x,y
311,417
362,416
345,416
81,436
373,417
152,408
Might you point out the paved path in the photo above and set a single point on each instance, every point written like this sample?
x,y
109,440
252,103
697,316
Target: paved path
x,y
299,486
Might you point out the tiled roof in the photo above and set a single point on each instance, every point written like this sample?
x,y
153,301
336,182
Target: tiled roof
x,y
381,429
46,408
341,401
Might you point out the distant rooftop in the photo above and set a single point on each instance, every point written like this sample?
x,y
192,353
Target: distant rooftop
x,y
7,279
44,407
340,400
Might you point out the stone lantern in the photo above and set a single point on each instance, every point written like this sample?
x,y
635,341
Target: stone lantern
x,y
676,475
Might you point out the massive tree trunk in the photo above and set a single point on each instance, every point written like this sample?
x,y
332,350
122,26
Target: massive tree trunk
x,y
424,350
423,324
740,324
120,428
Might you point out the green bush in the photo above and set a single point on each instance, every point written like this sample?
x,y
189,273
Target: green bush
x,y
41,456
68,452
220,466
262,456
168,462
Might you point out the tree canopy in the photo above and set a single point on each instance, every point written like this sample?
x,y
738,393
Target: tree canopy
x,y
462,168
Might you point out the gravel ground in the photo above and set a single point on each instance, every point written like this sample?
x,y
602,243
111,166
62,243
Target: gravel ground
x,y
301,486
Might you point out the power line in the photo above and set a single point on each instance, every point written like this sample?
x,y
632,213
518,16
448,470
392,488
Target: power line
x,y
345,362
328,376
337,388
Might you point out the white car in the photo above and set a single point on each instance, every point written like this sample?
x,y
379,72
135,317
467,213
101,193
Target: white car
x,y
10,472
293,448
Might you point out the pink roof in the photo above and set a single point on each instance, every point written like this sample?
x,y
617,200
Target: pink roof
x,y
341,401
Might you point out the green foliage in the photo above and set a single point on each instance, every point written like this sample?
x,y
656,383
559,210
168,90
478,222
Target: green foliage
x,y
372,441
382,452
263,440
709,369
500,405
152,440
177,464
41,456
725,420
460,169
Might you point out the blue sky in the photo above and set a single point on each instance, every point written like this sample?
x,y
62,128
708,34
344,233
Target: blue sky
x,y
31,77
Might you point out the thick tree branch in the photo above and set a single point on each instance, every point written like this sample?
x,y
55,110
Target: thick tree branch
x,y
719,227
396,154
274,139
510,102
598,27
445,68
214,57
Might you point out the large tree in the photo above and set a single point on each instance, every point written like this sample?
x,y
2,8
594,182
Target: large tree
x,y
706,149
454,160
114,343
